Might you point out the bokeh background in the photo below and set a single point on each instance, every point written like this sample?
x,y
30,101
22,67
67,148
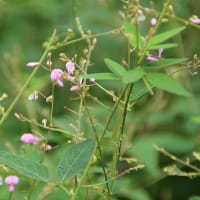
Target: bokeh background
x,y
164,119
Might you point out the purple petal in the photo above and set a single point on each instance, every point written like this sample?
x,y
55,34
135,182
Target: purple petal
x,y
32,64
152,58
56,74
60,83
160,51
70,67
195,21
153,21
74,88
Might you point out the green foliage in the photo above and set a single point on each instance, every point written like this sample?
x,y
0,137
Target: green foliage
x,y
164,36
133,34
28,168
75,160
114,67
99,132
165,62
165,82
132,76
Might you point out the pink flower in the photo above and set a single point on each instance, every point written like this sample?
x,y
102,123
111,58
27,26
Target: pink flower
x,y
32,64
155,58
70,67
29,138
92,80
153,21
46,147
152,58
195,20
57,75
11,181
78,86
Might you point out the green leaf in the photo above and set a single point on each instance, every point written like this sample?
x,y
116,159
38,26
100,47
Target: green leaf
x,y
139,90
133,34
165,62
114,67
165,82
25,167
101,76
132,76
164,46
164,36
75,159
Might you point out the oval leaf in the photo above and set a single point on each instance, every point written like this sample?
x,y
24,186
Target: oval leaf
x,y
164,36
114,67
25,167
165,82
132,76
75,160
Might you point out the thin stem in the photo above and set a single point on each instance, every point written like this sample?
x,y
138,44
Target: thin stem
x,y
24,119
10,196
99,149
174,158
112,113
14,102
31,190
129,90
85,37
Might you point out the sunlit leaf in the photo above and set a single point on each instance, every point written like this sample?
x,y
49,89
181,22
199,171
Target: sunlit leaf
x,y
115,67
167,83
164,36
101,76
166,62
75,159
132,76
25,167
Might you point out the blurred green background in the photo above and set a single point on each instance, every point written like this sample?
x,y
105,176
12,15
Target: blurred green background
x,y
163,119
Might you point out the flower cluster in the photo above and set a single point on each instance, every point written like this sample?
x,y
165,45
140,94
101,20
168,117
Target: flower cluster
x,y
57,75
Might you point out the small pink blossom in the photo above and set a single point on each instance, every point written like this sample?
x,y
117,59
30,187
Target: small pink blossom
x,y
70,67
153,21
92,80
57,75
46,147
11,181
155,58
152,58
74,88
78,86
195,20
32,64
29,138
